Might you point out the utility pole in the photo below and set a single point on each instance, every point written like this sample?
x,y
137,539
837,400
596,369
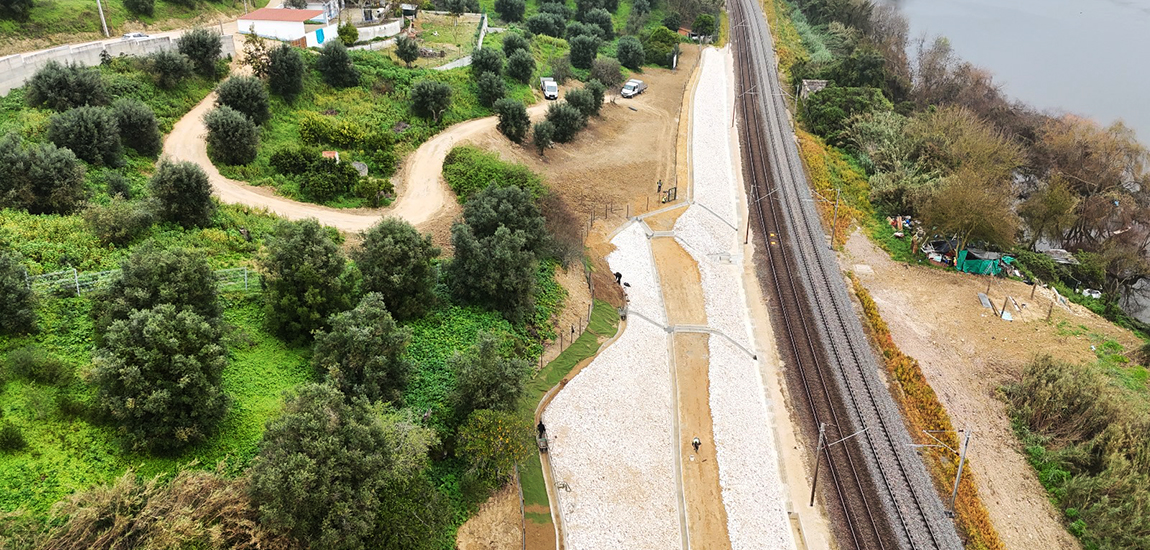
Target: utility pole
x,y
819,453
103,22
835,222
961,459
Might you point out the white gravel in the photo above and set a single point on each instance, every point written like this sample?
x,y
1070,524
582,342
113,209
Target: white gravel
x,y
611,426
752,488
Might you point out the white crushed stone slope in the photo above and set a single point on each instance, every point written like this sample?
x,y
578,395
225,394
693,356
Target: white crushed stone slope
x,y
752,488
611,425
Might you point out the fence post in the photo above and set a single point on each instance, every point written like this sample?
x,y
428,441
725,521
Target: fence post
x,y
76,278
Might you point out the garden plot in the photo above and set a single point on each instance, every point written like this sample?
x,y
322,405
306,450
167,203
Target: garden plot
x,y
753,493
611,426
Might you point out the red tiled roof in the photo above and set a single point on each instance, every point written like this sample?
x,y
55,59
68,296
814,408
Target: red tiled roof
x,y
282,14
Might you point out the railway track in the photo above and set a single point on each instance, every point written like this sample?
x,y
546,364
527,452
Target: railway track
x,y
879,495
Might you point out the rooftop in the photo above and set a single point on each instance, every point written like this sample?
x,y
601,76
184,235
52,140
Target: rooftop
x,y
282,14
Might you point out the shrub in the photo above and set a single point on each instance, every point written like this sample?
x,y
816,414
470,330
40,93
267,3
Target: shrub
x,y
34,364
486,60
169,68
90,132
672,21
469,170
641,7
513,42
294,160
140,7
41,178
582,100
396,263
629,52
348,34
510,11
62,87
137,125
490,89
561,69
583,51
325,465
363,354
493,443
827,112
429,99
521,66
183,194
16,9
305,279
660,46
606,71
567,119
247,95
116,185
543,135
487,378
11,438
119,222
546,23
558,9
16,298
513,119
564,227
335,65
407,49
203,48
598,92
601,18
159,377
511,206
232,137
152,276
704,24
285,72
495,272
577,28
327,179
296,4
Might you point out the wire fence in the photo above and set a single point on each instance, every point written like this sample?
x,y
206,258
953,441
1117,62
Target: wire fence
x,y
74,282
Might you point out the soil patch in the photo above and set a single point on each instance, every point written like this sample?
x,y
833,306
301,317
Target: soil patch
x,y
967,353
497,525
681,284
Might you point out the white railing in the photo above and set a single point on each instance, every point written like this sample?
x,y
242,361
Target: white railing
x,y
71,281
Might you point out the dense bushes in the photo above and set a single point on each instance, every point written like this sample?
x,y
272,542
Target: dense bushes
x,y
327,179
490,89
567,120
62,87
183,194
285,72
232,137
468,170
169,68
826,113
159,376
513,119
510,11
202,47
429,99
363,354
40,178
16,298
629,52
660,46
583,51
247,95
326,464
92,133
305,279
335,65
35,364
521,65
396,262
141,7
137,125
294,160
493,443
119,222
486,60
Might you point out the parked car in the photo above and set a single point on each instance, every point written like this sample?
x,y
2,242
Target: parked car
x,y
549,87
134,36
633,88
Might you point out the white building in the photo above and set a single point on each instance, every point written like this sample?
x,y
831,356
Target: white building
x,y
278,23
330,10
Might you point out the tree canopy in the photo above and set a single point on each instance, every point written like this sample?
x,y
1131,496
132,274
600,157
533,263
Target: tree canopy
x,y
305,279
396,262
363,353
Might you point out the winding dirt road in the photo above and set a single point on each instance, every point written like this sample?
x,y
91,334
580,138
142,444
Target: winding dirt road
x,y
422,194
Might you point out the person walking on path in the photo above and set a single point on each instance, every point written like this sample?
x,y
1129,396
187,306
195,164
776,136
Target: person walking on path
x,y
695,443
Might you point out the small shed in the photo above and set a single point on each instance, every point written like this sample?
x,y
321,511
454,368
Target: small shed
x,y
409,10
277,23
811,86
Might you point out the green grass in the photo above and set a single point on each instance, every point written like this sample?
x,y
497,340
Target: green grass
x,y
59,21
69,453
603,326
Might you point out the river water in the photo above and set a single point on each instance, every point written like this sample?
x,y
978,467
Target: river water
x,y
1089,57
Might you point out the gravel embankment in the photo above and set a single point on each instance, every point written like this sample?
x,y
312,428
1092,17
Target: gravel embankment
x,y
611,426
752,488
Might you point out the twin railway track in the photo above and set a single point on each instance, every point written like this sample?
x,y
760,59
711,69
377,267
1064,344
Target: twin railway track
x,y
878,495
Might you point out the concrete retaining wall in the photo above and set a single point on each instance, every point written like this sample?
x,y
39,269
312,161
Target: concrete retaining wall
x,y
15,70
385,30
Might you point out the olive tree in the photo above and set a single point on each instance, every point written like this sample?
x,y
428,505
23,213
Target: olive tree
x,y
490,88
486,60
486,377
92,133
247,95
629,52
159,377
324,466
363,353
305,279
513,119
285,72
521,65
203,48
567,119
513,42
137,125
335,65
584,48
169,68
62,87
543,135
601,18
183,193
429,99
510,11
16,298
232,137
497,271
507,206
40,178
396,262
406,49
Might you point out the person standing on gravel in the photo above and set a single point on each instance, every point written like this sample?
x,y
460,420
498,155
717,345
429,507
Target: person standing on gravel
x,y
695,443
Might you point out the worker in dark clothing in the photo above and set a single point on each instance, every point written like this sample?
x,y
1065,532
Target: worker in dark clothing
x,y
695,443
542,429
660,188
618,277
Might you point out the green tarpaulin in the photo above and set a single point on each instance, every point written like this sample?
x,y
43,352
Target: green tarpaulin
x,y
990,264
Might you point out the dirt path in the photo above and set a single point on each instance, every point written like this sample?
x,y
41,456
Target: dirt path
x,y
423,195
497,525
966,354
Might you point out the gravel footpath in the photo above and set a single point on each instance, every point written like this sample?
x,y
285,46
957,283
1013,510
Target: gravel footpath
x,y
611,425
753,492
